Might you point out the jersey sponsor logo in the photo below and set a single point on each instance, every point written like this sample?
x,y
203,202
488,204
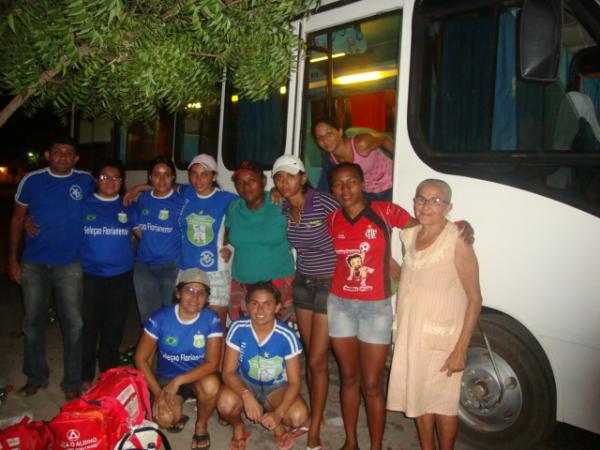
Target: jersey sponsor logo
x,y
90,217
171,340
265,369
145,212
122,217
199,341
76,192
163,214
199,229
207,258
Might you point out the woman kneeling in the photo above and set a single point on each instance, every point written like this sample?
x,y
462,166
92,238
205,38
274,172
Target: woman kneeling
x,y
261,372
188,338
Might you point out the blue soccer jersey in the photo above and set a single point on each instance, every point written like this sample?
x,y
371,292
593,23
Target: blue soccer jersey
x,y
158,220
263,363
202,228
107,231
54,203
181,345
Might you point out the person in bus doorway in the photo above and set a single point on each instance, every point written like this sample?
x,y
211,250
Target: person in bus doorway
x,y
261,372
187,339
158,251
258,232
438,306
107,261
53,198
306,211
365,149
359,308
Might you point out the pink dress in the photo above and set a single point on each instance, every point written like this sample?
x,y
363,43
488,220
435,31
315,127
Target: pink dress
x,y
429,317
376,167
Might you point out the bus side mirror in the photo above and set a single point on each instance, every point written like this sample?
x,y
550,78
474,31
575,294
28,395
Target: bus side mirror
x,y
539,39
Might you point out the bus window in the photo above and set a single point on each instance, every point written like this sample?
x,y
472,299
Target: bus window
x,y
141,142
196,131
470,113
95,138
351,75
254,130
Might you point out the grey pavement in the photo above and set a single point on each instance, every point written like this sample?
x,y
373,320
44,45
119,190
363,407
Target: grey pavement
x,y
400,432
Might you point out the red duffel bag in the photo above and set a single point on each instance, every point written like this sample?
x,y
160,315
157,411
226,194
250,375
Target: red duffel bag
x,y
90,424
26,435
129,387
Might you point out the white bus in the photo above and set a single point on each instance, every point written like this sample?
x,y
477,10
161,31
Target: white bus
x,y
445,79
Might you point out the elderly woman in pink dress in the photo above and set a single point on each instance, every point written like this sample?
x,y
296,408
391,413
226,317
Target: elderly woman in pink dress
x,y
438,307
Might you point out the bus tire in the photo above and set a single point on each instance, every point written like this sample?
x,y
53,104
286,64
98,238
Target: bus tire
x,y
525,414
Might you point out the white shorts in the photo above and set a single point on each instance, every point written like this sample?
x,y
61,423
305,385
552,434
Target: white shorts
x,y
220,286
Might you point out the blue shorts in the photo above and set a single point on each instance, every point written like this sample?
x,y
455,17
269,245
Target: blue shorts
x,y
368,320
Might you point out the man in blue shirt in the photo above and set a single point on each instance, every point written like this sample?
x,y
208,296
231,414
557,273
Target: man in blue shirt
x,y
53,197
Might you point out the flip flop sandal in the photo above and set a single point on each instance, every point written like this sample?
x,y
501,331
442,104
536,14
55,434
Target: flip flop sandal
x,y
295,433
284,441
239,443
178,426
201,439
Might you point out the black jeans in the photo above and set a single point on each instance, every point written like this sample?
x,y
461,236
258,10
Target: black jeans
x,y
105,303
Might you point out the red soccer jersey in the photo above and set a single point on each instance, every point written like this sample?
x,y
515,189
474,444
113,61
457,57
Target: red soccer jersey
x,y
362,247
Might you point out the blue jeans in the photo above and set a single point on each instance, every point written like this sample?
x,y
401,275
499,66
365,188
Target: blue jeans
x,y
154,287
38,281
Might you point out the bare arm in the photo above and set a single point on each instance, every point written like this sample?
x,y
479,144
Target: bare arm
x,y
143,355
14,241
468,273
272,419
232,381
367,142
132,194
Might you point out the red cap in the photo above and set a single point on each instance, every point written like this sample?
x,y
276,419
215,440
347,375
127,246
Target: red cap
x,y
246,164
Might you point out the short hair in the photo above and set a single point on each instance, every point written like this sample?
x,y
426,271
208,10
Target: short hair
x,y
263,286
345,165
162,160
440,183
64,140
116,163
328,120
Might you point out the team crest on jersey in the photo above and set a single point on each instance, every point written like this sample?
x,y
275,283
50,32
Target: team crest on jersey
x,y
199,341
122,217
145,212
265,369
370,232
170,340
207,258
199,229
90,217
76,192
163,214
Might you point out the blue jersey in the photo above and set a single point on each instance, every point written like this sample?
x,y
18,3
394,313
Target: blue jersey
x,y
181,345
54,203
263,364
158,220
202,229
107,231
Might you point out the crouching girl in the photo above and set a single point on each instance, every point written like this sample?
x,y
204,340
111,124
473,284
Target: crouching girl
x,y
188,338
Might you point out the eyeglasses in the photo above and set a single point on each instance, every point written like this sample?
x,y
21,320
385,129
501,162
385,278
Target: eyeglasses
x,y
194,291
433,201
104,177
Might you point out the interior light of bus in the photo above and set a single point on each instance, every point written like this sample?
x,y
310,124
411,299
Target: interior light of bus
x,y
283,90
323,58
235,98
359,77
3,169
196,105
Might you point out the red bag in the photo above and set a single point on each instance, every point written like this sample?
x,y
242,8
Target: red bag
x,y
129,387
26,435
90,424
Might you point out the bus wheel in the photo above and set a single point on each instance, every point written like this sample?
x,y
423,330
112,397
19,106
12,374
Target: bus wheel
x,y
519,410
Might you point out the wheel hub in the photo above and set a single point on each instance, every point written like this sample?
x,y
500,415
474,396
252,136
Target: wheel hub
x,y
483,403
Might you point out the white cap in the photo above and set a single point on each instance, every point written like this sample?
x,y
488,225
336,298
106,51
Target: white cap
x,y
206,161
289,164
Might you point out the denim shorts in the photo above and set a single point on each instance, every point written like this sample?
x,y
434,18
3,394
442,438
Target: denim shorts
x,y
311,293
368,320
262,392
